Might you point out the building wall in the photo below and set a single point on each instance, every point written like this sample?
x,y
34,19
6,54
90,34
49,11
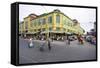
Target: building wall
x,y
42,24
21,27
27,24
38,24
67,24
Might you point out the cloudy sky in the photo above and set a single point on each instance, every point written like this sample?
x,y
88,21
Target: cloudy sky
x,y
85,16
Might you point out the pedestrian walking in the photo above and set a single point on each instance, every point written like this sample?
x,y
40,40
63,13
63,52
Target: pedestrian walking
x,y
68,38
49,44
31,43
80,39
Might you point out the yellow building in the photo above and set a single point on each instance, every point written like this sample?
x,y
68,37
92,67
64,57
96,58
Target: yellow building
x,y
54,23
21,27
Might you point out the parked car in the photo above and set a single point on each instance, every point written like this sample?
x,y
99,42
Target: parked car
x,y
88,38
72,38
91,39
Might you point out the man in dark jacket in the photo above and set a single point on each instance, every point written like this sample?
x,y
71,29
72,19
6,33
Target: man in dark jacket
x,y
49,44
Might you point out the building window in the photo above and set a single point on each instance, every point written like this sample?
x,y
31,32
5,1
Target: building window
x,y
58,18
44,21
31,24
68,23
39,21
50,19
26,25
65,23
35,24
50,29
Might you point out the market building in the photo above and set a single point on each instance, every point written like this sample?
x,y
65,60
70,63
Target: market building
x,y
52,24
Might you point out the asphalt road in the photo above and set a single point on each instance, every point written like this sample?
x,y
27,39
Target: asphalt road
x,y
60,51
